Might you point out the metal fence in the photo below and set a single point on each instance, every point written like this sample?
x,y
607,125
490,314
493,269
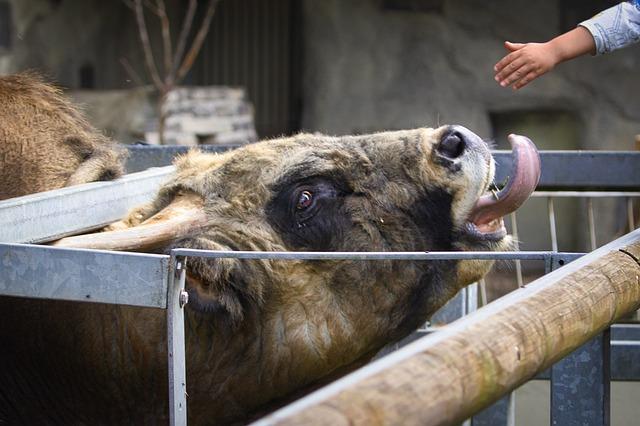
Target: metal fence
x,y
158,280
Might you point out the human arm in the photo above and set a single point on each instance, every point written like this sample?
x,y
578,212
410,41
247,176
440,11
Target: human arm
x,y
528,61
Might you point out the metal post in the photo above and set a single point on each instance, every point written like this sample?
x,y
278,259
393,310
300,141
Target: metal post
x,y
580,383
176,299
580,394
514,232
552,224
592,224
500,413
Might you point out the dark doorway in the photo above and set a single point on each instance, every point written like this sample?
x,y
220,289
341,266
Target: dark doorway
x,y
256,44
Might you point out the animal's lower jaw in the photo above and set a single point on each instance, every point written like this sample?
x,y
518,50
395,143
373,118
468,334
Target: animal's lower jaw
x,y
473,270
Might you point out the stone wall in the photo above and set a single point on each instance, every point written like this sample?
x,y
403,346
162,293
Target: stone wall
x,y
59,38
367,68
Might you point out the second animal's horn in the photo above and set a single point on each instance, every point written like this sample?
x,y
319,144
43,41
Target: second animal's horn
x,y
184,215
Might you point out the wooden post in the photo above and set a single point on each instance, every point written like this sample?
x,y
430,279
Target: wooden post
x,y
446,377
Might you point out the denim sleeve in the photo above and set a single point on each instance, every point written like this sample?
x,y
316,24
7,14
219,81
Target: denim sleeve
x,y
616,27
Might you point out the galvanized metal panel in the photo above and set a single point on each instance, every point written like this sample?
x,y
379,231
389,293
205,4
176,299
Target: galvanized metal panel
x,y
176,345
580,389
83,275
498,414
142,157
54,214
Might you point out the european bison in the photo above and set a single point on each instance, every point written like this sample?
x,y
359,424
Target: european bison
x,y
259,332
45,142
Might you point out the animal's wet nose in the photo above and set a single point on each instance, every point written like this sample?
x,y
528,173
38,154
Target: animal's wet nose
x,y
452,145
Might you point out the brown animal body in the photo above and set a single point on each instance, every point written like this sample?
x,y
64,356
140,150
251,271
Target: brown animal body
x,y
45,142
261,331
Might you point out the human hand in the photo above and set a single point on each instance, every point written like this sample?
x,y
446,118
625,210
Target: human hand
x,y
525,63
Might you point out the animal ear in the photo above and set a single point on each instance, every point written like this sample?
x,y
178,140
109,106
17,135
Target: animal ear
x,y
220,286
99,160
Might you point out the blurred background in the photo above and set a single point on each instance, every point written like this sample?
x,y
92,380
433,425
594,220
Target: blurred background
x,y
340,66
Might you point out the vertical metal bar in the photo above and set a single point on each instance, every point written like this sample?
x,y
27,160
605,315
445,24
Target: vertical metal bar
x,y
630,218
483,292
592,225
552,224
580,383
511,410
471,294
499,414
176,299
514,232
502,412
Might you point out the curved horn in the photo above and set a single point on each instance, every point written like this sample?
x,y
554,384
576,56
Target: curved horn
x,y
184,215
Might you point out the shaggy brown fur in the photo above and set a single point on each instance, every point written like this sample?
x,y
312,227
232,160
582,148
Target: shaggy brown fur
x,y
45,142
261,331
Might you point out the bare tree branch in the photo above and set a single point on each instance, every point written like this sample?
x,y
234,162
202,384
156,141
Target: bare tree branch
x,y
166,43
146,46
197,41
133,75
153,8
184,35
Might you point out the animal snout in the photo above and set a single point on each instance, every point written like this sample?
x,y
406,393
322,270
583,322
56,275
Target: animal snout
x,y
452,145
456,141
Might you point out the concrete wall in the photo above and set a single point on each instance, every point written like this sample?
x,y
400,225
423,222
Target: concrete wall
x,y
368,69
58,38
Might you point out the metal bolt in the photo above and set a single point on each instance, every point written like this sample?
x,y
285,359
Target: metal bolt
x,y
183,299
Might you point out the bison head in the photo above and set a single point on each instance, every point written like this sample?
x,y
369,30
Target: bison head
x,y
300,321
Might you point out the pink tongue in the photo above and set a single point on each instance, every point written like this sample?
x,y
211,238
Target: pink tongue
x,y
525,174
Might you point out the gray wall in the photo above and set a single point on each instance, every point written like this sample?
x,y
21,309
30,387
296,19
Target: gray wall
x,y
368,69
58,37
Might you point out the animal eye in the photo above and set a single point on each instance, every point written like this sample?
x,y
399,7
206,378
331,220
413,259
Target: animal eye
x,y
305,199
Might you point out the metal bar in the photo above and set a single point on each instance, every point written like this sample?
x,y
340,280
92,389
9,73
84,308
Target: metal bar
x,y
592,224
580,385
630,217
581,194
498,414
514,232
54,214
83,275
552,224
176,300
483,292
614,170
142,157
436,255
451,311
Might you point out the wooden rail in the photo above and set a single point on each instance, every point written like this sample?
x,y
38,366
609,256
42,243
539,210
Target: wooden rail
x,y
448,376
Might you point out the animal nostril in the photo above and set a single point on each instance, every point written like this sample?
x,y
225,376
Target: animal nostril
x,y
452,145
